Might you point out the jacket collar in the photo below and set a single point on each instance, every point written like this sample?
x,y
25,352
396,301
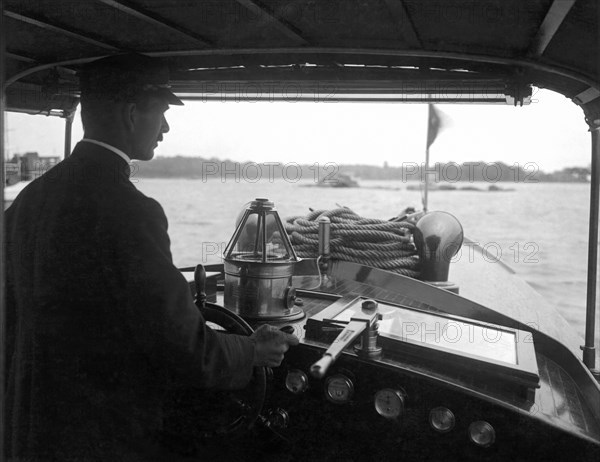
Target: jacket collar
x,y
97,161
110,147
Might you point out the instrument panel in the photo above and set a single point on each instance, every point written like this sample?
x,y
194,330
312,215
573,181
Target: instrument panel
x,y
376,409
423,397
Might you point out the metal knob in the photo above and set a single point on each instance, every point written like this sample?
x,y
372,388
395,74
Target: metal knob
x,y
200,283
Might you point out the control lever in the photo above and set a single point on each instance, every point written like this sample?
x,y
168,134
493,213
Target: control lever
x,y
200,283
363,322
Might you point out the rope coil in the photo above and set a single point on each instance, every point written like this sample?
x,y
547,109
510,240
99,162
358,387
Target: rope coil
x,y
368,241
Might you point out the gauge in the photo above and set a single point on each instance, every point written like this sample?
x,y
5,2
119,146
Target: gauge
x,y
389,403
278,418
482,433
339,389
296,381
441,419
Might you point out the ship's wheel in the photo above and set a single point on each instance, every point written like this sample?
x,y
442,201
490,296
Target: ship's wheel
x,y
194,417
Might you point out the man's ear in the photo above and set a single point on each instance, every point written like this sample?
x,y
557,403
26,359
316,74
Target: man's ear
x,y
129,115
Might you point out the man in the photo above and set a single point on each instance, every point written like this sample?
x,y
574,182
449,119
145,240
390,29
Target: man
x,y
100,322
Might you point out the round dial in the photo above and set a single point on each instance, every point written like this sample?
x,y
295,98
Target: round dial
x,y
482,433
442,419
389,403
339,389
296,381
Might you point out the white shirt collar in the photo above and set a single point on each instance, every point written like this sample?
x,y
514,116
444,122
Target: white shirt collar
x,y
117,151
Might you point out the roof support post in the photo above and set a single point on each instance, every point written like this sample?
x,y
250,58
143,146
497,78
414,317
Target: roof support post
x,y
68,132
2,256
589,351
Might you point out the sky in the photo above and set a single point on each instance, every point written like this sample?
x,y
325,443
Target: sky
x,y
550,132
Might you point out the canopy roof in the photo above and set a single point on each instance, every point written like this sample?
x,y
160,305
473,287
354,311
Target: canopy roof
x,y
425,50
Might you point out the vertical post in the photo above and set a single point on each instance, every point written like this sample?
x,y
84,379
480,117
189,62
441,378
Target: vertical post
x,y
589,351
324,246
263,232
324,237
426,179
433,126
68,115
2,256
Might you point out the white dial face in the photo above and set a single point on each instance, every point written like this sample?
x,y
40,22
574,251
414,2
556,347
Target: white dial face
x,y
339,389
389,403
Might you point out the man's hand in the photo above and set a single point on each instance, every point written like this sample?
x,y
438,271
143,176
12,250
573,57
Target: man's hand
x,y
270,345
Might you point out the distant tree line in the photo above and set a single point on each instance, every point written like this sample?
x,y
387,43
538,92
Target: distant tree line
x,y
227,170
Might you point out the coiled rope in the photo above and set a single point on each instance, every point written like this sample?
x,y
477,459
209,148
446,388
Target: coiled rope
x,y
368,241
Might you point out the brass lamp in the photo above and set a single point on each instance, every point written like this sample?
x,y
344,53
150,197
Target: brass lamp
x,y
259,264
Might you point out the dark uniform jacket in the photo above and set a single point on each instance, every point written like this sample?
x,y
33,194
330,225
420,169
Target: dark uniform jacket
x,y
100,322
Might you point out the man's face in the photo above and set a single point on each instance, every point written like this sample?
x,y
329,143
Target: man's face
x,y
150,124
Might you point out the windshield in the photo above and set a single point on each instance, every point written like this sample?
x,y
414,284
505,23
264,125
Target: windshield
x,y
516,178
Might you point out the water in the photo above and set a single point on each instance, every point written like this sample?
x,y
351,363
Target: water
x,y
539,229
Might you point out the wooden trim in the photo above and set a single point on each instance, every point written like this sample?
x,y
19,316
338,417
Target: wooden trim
x,y
156,20
523,372
554,18
586,96
19,57
403,23
525,63
286,29
59,30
